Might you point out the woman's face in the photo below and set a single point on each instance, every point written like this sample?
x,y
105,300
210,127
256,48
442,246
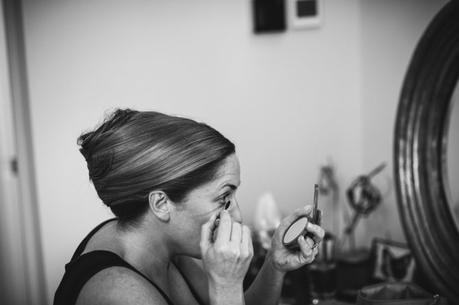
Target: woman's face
x,y
205,201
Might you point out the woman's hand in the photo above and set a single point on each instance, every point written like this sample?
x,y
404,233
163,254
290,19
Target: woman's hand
x,y
284,259
227,259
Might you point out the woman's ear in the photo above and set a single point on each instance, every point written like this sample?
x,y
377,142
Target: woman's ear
x,y
159,205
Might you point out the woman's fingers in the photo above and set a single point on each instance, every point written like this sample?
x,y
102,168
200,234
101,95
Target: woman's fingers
x,y
246,235
306,251
206,232
317,232
246,242
232,238
224,228
310,242
236,233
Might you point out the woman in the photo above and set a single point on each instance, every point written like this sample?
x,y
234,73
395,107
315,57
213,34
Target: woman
x,y
171,182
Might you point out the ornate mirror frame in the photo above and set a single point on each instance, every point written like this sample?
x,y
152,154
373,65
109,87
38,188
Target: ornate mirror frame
x,y
420,139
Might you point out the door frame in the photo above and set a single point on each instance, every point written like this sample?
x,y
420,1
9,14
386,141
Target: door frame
x,y
18,191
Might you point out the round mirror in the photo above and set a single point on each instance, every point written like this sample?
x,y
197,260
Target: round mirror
x,y
452,156
296,229
425,178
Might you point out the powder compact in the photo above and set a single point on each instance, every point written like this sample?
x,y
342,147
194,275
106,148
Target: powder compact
x,y
298,227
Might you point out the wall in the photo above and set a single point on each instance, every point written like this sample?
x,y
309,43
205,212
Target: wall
x,y
289,101
390,31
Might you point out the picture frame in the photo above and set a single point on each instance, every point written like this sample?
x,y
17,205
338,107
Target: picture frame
x,y
305,14
392,261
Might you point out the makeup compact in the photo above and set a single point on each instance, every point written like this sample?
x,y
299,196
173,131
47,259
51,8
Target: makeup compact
x,y
298,227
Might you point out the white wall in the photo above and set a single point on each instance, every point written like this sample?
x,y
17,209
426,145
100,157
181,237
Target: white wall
x,y
390,30
289,101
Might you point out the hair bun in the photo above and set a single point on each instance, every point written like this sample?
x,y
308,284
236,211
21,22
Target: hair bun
x,y
99,160
98,164
88,141
117,119
84,143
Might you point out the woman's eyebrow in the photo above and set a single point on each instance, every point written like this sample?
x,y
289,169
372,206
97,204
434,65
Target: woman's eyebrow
x,y
230,185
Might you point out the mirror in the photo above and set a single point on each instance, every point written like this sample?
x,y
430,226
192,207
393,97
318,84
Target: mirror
x,y
423,168
295,230
452,156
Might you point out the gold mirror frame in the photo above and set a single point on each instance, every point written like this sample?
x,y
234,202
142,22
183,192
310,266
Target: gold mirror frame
x,y
420,140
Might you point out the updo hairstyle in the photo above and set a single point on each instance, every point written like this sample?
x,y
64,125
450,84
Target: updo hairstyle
x,y
135,152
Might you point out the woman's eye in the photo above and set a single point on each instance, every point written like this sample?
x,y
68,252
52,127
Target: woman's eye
x,y
225,201
227,204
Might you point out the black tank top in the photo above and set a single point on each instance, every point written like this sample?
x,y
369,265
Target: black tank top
x,y
82,267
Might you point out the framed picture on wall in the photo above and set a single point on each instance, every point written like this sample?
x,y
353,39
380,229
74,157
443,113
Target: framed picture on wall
x,y
393,261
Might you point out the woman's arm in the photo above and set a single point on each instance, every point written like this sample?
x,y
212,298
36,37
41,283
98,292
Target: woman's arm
x,y
267,286
268,282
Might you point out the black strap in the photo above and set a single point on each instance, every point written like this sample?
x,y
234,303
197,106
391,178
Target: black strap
x,y
82,267
83,243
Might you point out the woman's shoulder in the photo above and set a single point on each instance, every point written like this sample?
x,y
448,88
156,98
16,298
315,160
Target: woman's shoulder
x,y
102,238
119,285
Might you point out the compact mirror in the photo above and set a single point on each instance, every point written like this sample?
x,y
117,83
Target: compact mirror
x,y
295,230
298,227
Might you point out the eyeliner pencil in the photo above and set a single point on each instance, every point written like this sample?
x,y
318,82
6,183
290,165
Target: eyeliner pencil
x,y
316,197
